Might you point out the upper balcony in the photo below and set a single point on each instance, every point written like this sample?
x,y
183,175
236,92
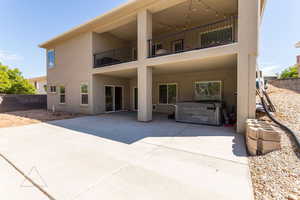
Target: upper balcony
x,y
115,46
193,25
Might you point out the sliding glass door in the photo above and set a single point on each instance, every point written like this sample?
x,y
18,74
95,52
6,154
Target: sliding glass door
x,y
113,98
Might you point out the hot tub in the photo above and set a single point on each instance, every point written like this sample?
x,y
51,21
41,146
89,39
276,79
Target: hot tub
x,y
208,113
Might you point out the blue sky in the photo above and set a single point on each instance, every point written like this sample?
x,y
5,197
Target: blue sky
x,y
25,24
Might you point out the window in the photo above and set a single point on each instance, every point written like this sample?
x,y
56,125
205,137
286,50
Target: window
x,y
84,94
167,93
208,90
177,45
52,89
155,48
50,58
216,37
62,94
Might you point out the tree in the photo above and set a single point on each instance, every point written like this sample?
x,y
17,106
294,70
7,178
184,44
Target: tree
x,y
12,82
291,72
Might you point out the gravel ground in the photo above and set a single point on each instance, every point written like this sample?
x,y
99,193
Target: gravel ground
x,y
277,175
20,118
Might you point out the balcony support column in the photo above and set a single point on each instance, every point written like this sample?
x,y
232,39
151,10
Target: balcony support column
x,y
248,37
144,93
144,33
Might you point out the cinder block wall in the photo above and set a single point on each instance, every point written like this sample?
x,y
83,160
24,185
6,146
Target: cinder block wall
x,y
12,102
290,84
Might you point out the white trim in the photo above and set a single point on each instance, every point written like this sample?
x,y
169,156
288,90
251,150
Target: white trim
x,y
159,103
114,103
84,83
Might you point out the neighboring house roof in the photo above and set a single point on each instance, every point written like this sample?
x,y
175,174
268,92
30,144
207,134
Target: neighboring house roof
x,y
129,8
40,78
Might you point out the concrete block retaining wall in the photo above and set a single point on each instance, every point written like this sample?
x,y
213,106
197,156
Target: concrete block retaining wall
x,y
261,137
12,102
291,84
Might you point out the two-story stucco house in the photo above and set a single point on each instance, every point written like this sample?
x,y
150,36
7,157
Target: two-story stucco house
x,y
146,55
39,83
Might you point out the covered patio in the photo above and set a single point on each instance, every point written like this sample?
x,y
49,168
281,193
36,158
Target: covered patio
x,y
120,90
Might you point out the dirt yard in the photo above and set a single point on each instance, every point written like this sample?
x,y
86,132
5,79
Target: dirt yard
x,y
20,118
277,174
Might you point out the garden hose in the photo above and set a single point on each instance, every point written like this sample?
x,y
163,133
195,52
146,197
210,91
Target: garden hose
x,y
282,126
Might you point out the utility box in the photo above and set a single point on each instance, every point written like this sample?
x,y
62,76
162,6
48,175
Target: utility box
x,y
208,113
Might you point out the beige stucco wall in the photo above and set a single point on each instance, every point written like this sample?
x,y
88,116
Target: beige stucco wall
x,y
73,66
105,41
185,86
99,83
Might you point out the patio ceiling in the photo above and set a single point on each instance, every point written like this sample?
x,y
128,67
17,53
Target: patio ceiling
x,y
193,13
208,64
175,18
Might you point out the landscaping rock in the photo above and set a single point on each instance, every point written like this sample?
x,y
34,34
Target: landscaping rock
x,y
276,175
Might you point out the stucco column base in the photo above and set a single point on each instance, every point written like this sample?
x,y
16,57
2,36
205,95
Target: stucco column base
x,y
145,93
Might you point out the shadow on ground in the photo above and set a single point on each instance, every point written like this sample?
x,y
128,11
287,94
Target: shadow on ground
x,y
123,127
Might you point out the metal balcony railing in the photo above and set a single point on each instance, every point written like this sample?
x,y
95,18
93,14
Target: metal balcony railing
x,y
115,56
205,36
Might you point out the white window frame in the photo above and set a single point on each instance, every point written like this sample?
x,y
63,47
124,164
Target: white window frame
x,y
62,94
81,93
47,59
167,84
216,81
50,91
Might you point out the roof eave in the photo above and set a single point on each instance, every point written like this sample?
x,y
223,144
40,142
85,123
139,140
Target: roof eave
x,y
82,28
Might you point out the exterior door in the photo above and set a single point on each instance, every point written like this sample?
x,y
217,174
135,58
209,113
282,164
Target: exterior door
x,y
113,98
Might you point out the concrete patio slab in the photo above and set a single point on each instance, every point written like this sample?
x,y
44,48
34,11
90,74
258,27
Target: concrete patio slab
x,y
11,184
115,157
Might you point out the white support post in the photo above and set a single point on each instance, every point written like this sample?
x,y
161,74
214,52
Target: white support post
x,y
144,93
144,72
248,36
144,33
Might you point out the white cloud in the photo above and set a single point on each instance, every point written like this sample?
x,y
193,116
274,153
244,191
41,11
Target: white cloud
x,y
270,69
8,56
